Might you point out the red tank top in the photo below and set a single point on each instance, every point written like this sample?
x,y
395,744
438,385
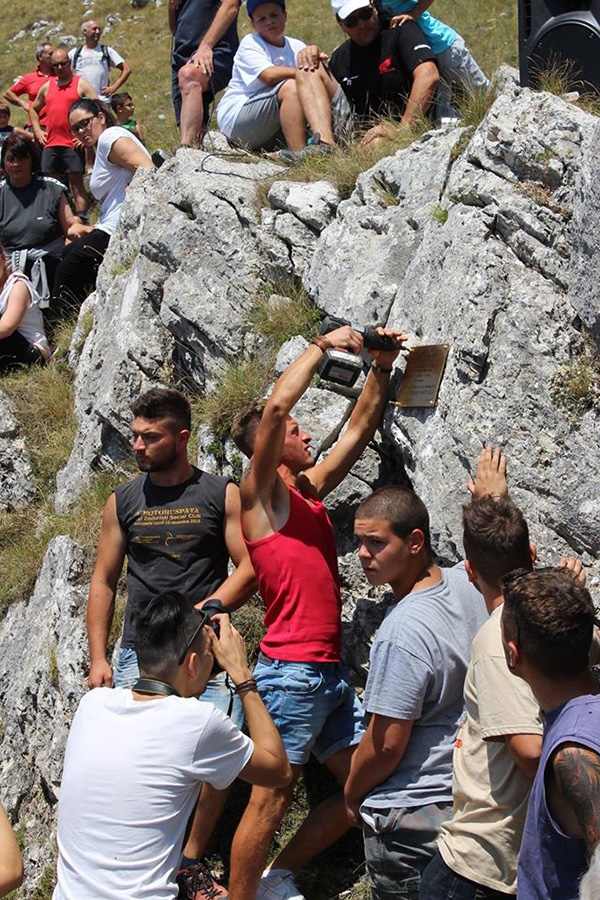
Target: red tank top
x,y
58,101
298,579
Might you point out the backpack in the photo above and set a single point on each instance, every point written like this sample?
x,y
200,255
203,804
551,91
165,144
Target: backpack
x,y
105,56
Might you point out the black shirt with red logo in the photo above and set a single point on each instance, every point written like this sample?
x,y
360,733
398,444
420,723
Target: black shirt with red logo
x,y
377,79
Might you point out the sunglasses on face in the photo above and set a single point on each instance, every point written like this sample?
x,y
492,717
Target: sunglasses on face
x,y
362,15
82,125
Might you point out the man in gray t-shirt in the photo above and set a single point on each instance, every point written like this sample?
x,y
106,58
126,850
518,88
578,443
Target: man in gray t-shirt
x,y
400,785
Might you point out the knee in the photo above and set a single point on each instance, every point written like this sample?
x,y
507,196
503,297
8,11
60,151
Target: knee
x,y
271,804
191,78
288,90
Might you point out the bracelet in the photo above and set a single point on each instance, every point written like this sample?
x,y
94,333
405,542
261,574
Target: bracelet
x,y
245,686
385,370
322,343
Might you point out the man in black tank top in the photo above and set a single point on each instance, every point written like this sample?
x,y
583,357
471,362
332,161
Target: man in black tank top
x,y
177,526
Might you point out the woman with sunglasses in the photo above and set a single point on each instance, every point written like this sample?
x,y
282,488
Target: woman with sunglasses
x,y
119,154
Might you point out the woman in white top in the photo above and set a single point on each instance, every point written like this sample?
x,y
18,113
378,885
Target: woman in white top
x,y
118,156
22,336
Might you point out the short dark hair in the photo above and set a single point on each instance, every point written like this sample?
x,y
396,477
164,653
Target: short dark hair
x,y
245,427
399,506
495,537
119,100
93,108
164,403
21,147
162,627
550,617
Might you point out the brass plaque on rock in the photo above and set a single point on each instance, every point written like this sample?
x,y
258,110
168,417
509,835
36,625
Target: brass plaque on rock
x,y
423,376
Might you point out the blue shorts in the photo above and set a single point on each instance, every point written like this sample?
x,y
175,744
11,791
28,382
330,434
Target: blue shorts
x,y
217,691
313,706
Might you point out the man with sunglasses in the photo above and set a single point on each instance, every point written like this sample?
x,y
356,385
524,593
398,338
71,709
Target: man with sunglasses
x,y
135,758
383,72
60,156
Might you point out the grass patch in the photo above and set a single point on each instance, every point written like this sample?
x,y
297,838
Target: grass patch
x,y
283,310
25,534
439,214
575,387
53,667
43,403
474,105
243,381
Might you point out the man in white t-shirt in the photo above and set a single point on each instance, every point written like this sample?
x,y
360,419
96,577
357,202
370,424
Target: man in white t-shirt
x,y
135,758
93,61
275,91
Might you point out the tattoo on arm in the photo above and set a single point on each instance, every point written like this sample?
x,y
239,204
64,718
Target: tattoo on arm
x,y
577,771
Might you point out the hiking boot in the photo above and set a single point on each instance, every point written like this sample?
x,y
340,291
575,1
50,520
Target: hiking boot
x,y
196,883
278,884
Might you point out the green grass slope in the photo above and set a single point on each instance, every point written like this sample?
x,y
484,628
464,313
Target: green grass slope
x,y
143,38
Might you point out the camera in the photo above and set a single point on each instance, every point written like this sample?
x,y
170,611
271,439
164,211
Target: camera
x,y
211,608
341,367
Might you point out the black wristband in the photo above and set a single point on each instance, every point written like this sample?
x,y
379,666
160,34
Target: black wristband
x,y
383,369
213,606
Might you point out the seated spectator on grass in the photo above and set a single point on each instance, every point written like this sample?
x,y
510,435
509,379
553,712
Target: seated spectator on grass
x,y
119,154
35,215
457,66
11,864
22,337
123,108
271,98
388,73
135,758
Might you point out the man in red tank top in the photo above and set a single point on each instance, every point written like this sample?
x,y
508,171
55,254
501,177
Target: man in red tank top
x,y
60,155
292,548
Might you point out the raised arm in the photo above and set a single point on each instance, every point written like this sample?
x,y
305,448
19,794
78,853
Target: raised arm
x,y
365,418
268,766
258,483
103,588
490,477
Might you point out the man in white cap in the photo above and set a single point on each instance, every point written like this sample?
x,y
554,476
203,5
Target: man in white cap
x,y
389,73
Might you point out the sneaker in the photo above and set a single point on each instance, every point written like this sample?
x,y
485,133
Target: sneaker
x,y
159,157
196,883
278,885
315,145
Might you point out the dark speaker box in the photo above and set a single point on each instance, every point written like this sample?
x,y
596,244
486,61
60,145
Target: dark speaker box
x,y
553,32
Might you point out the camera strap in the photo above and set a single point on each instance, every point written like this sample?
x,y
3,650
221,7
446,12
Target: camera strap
x,y
153,686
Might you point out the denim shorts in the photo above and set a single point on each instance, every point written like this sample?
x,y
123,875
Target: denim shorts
x,y
313,706
217,691
399,844
439,882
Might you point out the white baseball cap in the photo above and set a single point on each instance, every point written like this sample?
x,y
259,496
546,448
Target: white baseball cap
x,y
344,8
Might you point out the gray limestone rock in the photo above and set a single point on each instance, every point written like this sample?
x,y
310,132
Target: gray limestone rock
x,y
585,264
42,676
16,481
